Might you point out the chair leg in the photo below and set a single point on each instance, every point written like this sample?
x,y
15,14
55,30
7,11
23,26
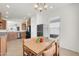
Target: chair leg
x,y
57,49
43,54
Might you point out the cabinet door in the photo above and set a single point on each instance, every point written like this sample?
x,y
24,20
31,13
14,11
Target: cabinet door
x,y
23,26
23,35
2,24
12,36
3,45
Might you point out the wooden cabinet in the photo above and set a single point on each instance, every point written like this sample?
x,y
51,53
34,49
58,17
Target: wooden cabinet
x,y
23,35
26,24
26,27
2,24
3,45
29,22
12,36
23,26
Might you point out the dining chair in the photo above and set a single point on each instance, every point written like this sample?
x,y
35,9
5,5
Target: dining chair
x,y
27,52
50,51
53,50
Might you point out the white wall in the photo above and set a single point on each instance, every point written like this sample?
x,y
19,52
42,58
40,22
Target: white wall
x,y
33,27
39,18
69,32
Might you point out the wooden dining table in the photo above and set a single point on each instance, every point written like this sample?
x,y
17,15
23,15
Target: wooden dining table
x,y
36,48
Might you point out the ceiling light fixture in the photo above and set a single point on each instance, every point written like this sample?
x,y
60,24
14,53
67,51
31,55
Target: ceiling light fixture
x,y
8,6
41,6
51,7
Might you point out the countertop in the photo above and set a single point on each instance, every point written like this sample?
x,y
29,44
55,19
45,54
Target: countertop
x,y
11,31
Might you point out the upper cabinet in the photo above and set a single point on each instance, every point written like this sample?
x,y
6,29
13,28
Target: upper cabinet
x,y
2,24
26,24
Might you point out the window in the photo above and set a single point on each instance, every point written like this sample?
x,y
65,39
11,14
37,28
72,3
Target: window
x,y
54,28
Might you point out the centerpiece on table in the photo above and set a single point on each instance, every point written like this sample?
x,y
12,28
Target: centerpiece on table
x,y
39,39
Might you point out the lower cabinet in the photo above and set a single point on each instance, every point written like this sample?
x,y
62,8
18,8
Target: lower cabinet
x,y
3,45
12,36
23,35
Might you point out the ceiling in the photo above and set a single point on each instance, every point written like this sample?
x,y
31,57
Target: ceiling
x,y
21,10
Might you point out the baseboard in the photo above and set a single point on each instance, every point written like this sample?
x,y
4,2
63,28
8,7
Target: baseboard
x,y
70,50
